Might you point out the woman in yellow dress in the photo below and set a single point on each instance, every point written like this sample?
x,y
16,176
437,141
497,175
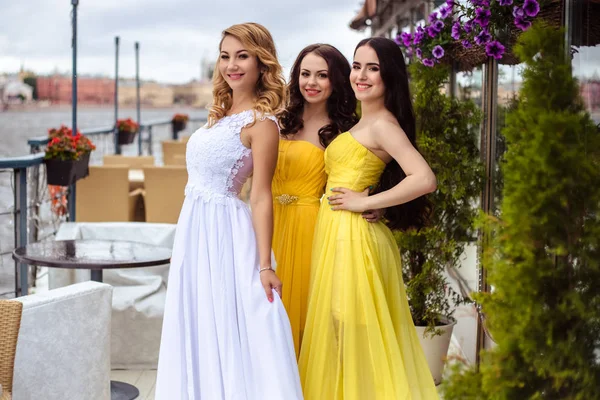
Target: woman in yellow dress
x,y
322,105
359,340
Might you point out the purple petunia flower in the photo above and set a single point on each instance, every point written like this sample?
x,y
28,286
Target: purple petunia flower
x,y
494,49
406,39
468,27
466,44
505,2
418,37
445,12
438,25
518,12
409,52
531,8
483,37
455,31
480,3
482,17
433,17
431,32
427,62
398,40
522,24
450,3
438,51
419,53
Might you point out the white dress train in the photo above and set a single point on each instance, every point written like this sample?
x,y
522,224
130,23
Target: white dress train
x,y
221,338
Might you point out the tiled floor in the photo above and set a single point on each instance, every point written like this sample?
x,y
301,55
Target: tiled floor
x,y
144,380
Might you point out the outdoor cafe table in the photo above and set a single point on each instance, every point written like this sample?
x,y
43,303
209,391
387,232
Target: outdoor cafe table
x,y
95,255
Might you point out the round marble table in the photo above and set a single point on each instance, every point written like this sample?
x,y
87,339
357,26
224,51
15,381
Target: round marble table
x,y
95,255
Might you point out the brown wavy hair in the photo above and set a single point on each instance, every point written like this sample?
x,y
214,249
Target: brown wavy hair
x,y
341,104
414,214
271,91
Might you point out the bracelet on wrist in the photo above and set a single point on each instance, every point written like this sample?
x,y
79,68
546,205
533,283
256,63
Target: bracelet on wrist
x,y
269,268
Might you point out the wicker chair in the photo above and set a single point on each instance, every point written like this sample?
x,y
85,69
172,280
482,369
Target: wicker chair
x,y
131,161
164,189
10,323
170,148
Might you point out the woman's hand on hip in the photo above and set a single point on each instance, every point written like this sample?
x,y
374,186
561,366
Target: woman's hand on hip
x,y
349,200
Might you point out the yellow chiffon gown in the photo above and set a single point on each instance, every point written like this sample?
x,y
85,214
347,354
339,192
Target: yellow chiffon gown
x,y
359,340
298,185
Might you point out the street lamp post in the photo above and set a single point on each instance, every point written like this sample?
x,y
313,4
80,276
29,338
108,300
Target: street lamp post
x,y
137,88
116,136
72,194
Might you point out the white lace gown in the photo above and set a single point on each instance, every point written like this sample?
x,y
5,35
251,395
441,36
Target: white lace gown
x,y
221,338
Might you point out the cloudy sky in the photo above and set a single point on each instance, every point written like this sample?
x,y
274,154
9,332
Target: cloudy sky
x,y
174,35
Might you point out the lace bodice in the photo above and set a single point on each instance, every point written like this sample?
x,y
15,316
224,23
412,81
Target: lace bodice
x,y
218,163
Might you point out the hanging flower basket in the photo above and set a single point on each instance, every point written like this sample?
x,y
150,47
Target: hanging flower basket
x,y
127,130
67,157
67,172
469,33
179,122
471,57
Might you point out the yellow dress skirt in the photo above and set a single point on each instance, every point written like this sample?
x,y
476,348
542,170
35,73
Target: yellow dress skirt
x,y
359,339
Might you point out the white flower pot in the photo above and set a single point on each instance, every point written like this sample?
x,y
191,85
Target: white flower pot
x,y
436,349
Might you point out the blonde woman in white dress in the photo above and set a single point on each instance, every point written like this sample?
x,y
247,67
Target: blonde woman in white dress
x,y
226,335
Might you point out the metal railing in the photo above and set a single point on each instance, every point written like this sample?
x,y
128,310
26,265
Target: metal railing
x,y
33,215
25,199
106,137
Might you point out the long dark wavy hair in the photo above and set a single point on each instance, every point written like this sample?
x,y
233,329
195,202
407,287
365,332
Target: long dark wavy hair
x,y
392,67
341,105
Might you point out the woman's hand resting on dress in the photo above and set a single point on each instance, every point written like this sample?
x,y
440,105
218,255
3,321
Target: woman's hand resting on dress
x,y
270,281
349,200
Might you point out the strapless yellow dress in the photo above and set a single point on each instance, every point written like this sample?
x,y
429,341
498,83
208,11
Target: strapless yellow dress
x,y
298,185
359,339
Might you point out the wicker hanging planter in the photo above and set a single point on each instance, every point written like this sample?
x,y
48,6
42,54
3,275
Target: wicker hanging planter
x,y
552,13
470,58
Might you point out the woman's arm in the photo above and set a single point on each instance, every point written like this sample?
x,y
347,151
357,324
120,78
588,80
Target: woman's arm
x,y
264,142
419,180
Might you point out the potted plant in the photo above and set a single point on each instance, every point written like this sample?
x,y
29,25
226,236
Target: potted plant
x,y
67,156
179,122
127,129
543,260
447,137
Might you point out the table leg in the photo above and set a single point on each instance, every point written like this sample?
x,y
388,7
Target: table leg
x,y
97,275
123,391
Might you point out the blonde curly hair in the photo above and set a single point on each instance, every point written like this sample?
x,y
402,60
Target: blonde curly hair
x,y
271,90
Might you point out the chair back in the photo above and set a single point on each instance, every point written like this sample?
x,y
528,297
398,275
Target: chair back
x,y
171,148
131,161
164,193
104,195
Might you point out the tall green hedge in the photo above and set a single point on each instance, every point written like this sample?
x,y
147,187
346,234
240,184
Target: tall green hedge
x,y
544,260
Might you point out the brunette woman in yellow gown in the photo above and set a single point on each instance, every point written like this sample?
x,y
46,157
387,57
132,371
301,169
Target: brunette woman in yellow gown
x,y
322,105
359,340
